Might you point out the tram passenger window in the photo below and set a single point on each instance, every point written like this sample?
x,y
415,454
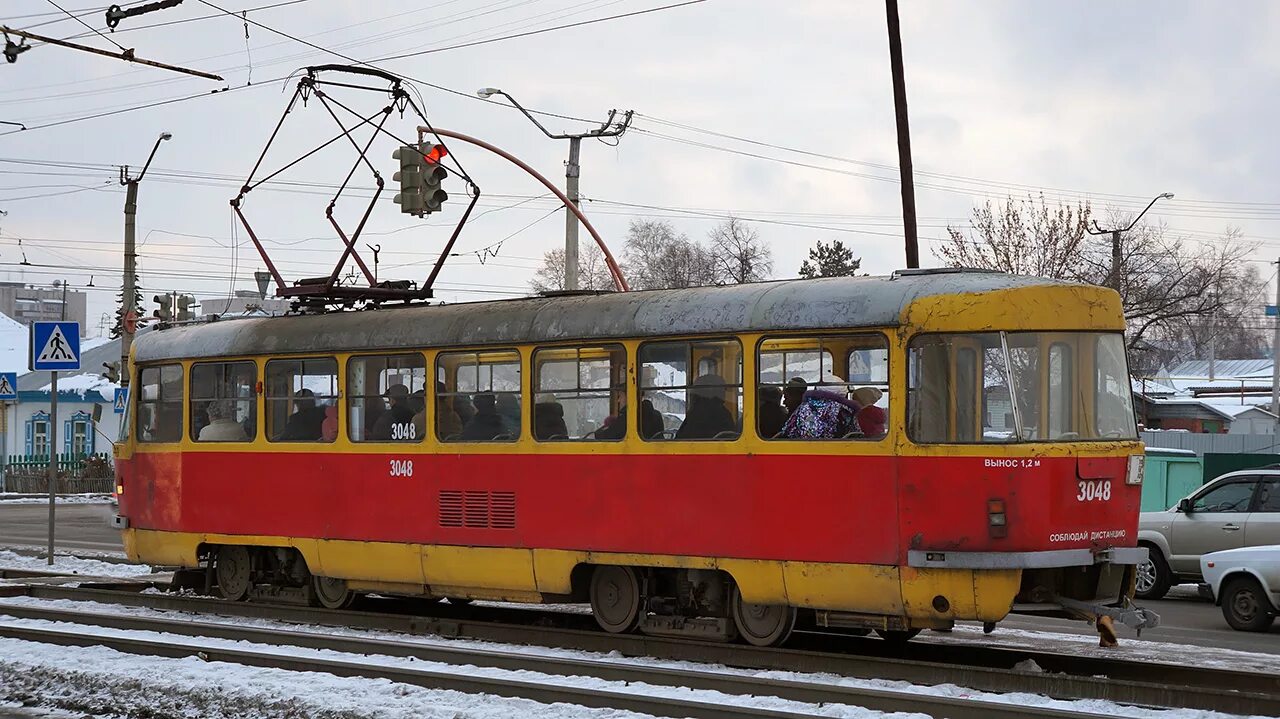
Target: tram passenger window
x,y
478,396
160,404
580,394
832,387
223,405
301,400
1061,375
385,398
705,406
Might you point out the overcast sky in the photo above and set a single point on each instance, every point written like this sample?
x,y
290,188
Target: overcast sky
x,y
1107,102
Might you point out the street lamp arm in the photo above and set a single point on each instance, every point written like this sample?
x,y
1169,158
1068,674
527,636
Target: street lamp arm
x,y
1154,200
529,115
163,136
1144,211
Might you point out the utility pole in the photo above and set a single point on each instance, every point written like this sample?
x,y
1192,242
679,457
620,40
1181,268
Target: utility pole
x,y
1275,360
1114,279
611,127
128,312
904,136
1213,336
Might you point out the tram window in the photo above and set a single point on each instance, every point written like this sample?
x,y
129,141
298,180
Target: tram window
x,y
832,387
580,394
385,398
478,396
703,407
1061,375
301,399
1028,383
160,404
223,405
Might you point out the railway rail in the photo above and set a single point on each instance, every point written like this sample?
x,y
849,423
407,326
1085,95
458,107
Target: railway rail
x,y
982,668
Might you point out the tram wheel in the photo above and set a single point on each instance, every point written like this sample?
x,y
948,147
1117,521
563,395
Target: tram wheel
x,y
331,593
763,625
615,598
897,636
233,569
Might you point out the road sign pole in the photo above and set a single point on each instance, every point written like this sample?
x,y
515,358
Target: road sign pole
x,y
53,454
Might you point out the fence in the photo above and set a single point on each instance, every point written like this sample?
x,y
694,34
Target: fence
x,y
1203,444
77,473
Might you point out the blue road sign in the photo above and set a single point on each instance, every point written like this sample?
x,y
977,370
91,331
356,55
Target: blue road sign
x,y
8,385
55,346
1271,310
122,396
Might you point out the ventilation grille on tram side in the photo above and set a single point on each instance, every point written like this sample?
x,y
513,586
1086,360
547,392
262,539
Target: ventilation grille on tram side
x,y
477,509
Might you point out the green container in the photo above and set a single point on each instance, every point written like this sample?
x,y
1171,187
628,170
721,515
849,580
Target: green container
x,y
1171,474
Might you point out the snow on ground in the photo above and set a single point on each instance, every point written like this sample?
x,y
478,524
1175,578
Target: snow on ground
x,y
92,498
1102,708
71,565
101,682
1087,645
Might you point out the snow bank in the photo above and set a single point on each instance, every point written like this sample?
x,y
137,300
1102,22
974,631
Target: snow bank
x,y
91,498
72,565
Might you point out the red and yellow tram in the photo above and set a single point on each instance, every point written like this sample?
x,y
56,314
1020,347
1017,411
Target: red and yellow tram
x,y
631,450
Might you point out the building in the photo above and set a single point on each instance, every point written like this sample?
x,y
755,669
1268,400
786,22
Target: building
x,y
27,304
82,396
242,303
1231,397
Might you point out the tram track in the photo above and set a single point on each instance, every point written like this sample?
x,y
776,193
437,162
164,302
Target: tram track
x,y
1124,682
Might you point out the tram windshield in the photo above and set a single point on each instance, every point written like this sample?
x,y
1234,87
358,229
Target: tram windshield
x,y
1019,387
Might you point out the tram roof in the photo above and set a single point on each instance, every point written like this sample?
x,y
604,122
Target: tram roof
x,y
825,303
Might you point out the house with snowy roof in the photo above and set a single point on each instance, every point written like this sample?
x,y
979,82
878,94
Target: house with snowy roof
x,y
1220,397
82,396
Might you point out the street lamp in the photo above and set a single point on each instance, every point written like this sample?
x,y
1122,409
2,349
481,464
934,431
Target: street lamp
x,y
131,257
1114,277
609,128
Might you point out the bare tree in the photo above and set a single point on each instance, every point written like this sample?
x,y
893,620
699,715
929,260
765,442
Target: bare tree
x,y
656,257
1022,237
593,271
739,254
1168,285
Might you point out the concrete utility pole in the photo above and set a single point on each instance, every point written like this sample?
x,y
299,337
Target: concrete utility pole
x,y
572,169
131,258
1114,279
904,136
1275,360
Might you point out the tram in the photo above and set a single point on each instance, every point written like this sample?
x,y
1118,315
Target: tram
x,y
873,453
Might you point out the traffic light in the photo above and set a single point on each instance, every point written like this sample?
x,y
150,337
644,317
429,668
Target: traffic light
x,y
113,371
165,312
184,307
410,178
433,173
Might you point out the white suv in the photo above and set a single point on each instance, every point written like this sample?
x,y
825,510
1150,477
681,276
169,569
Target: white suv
x,y
1238,509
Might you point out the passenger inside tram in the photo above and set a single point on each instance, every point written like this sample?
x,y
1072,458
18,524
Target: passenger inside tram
x,y
707,416
398,416
487,424
447,419
548,421
770,413
305,424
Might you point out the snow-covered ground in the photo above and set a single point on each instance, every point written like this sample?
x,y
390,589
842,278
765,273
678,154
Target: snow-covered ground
x,y
90,678
14,498
71,565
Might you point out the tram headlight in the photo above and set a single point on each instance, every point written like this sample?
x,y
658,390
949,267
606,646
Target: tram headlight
x,y
1137,467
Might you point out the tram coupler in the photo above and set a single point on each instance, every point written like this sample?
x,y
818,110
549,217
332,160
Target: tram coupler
x,y
1129,614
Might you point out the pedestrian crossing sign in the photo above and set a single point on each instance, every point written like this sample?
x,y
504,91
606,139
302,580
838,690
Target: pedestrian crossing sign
x,y
8,385
122,397
55,346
